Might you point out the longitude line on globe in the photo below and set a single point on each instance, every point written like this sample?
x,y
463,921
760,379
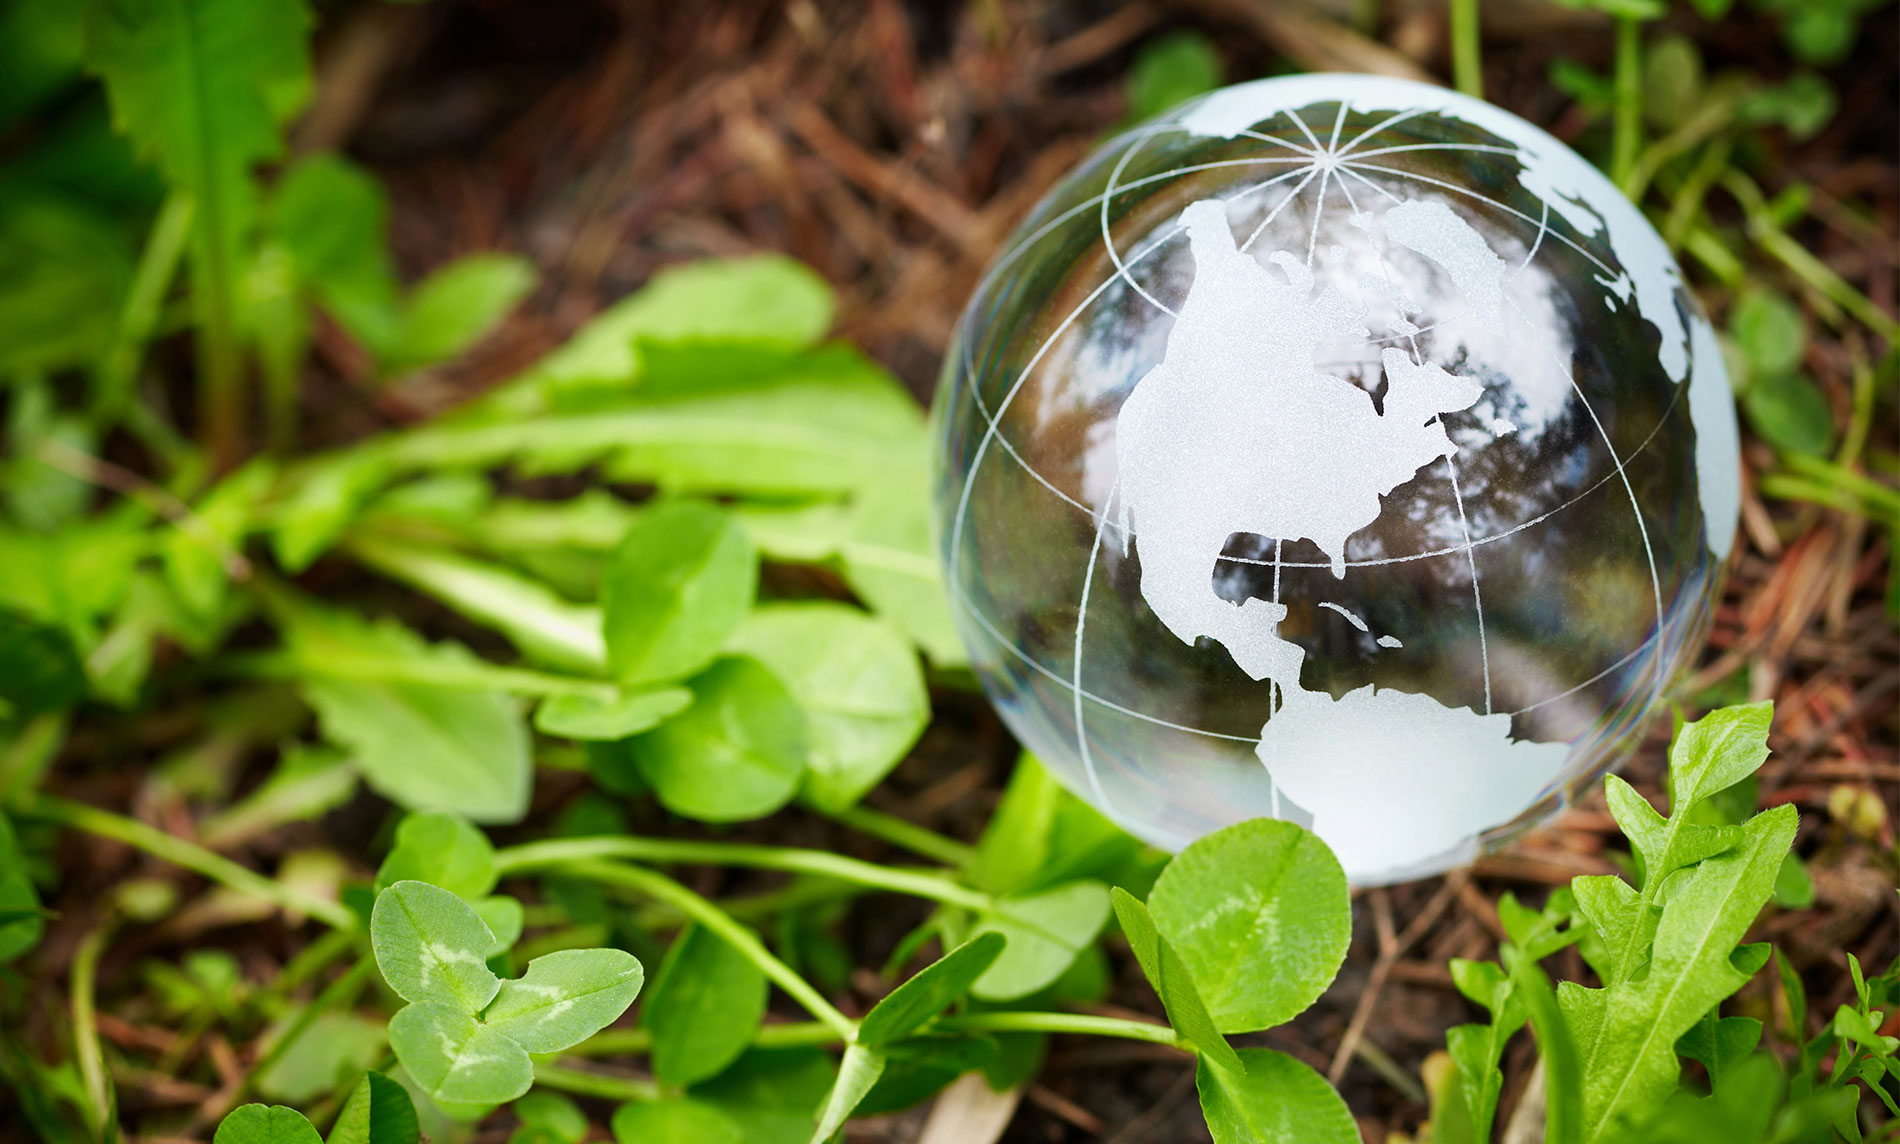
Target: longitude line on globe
x,y
1108,243
1081,624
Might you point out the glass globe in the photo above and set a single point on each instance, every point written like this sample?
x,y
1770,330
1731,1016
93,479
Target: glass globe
x,y
1339,449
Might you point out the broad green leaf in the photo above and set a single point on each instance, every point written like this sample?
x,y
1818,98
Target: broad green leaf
x,y
677,1121
378,1111
772,1094
890,562
1169,71
456,1058
1769,331
324,500
1260,914
548,1118
19,900
705,1004
43,496
330,1049
857,1073
1717,751
859,683
432,946
1791,413
565,997
454,306
1015,843
1172,982
766,298
824,422
442,850
261,1124
202,87
333,218
1720,1043
1626,1033
1045,931
1665,845
737,753
538,621
67,268
587,718
1277,1100
40,670
933,989
1853,1027
1476,1050
674,590
420,745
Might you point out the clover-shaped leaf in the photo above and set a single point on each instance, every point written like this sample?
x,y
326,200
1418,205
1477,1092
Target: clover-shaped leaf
x,y
456,1058
443,850
265,1124
565,997
432,946
1260,914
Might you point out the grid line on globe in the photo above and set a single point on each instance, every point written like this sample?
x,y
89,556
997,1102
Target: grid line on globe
x,y
1205,638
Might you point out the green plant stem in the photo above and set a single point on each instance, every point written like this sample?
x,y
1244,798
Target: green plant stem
x,y
1085,1024
86,1048
908,835
1627,141
309,961
558,853
1686,207
1813,273
1563,1077
337,994
665,889
1712,117
23,764
1466,70
788,1035
593,1084
191,856
157,269
221,397
1861,419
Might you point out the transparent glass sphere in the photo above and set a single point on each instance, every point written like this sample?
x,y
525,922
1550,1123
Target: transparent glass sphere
x,y
1339,449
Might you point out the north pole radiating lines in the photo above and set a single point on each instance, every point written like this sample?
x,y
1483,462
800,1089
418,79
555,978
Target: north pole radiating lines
x,y
1322,161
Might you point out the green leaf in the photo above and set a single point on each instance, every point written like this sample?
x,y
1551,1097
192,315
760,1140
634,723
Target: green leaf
x,y
703,1008
1172,982
504,917
1720,1043
333,217
40,670
442,850
1665,846
310,780
737,753
1717,751
767,298
586,718
1015,843
1045,930
202,86
19,900
934,988
675,589
1277,1100
859,684
1171,70
378,1111
456,1058
258,1124
542,624
678,1121
333,1047
857,1073
1260,914
772,1094
719,418
1626,1033
565,997
420,745
323,504
454,306
432,946
1790,412
548,1118
919,1066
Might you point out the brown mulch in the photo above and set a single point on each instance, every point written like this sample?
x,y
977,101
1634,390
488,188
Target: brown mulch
x,y
892,146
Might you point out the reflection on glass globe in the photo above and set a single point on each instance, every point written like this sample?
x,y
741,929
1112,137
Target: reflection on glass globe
x,y
1339,449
